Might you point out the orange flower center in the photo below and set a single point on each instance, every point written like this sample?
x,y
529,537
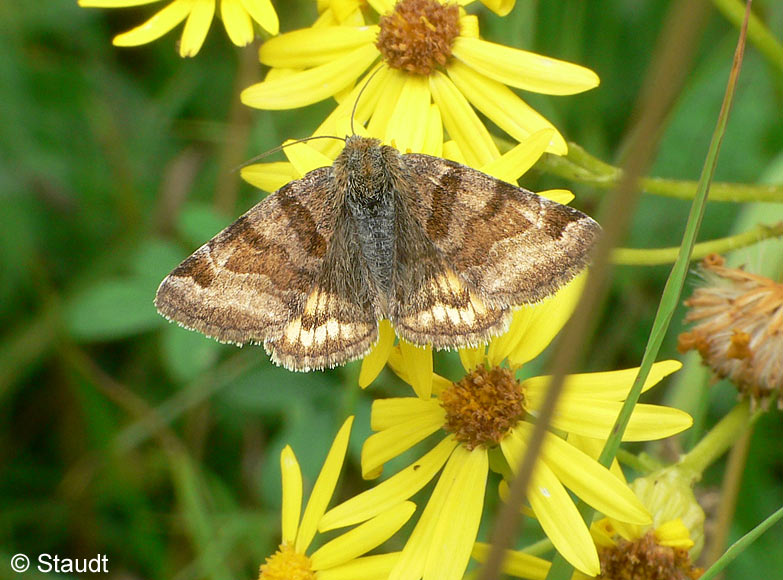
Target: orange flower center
x,y
287,564
644,559
483,406
418,34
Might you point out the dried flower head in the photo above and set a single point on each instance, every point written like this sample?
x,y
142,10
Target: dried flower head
x,y
739,329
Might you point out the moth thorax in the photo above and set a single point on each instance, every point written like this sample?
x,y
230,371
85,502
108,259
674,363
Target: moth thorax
x,y
371,207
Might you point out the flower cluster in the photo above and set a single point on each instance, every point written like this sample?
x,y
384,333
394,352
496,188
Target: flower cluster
x,y
417,75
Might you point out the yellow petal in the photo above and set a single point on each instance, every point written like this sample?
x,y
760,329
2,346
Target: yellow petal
x,y
471,357
499,7
555,511
588,479
606,385
501,105
292,494
389,443
594,418
562,196
433,135
373,363
264,13
363,538
343,9
462,123
603,533
533,327
269,176
393,82
310,86
469,26
196,27
459,489
305,158
464,483
382,6
409,120
674,534
390,492
514,163
375,567
515,563
522,69
418,361
324,487
311,47
364,96
439,383
156,26
593,447
388,413
452,151
237,22
114,3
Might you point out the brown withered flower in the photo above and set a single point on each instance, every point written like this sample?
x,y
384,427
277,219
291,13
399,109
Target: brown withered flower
x,y
738,329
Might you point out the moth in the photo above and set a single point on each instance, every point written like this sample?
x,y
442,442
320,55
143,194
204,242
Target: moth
x,y
441,250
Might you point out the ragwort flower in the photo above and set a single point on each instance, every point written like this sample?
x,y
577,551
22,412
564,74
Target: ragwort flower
x,y
339,558
660,552
431,53
237,15
485,418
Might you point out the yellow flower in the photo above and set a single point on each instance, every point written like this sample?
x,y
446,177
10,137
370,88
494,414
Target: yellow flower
x,y
237,15
659,552
431,53
485,418
339,558
340,11
661,549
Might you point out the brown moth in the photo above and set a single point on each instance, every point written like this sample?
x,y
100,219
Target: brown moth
x,y
441,250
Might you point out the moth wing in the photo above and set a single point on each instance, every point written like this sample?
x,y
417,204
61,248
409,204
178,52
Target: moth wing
x,y
510,245
338,321
442,310
248,281
431,302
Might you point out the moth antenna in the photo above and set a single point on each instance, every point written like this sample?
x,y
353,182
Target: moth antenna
x,y
359,96
283,146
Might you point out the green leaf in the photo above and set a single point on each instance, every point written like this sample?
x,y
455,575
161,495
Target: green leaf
x,y
154,259
199,222
111,310
186,354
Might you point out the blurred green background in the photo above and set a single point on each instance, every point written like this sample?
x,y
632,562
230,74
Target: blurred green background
x,y
124,435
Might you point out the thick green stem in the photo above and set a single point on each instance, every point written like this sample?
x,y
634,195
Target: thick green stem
x,y
582,167
720,438
657,256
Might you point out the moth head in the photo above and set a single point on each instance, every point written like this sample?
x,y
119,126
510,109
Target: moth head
x,y
363,167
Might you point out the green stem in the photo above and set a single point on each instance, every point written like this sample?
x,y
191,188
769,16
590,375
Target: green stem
x,y
720,438
582,167
652,257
